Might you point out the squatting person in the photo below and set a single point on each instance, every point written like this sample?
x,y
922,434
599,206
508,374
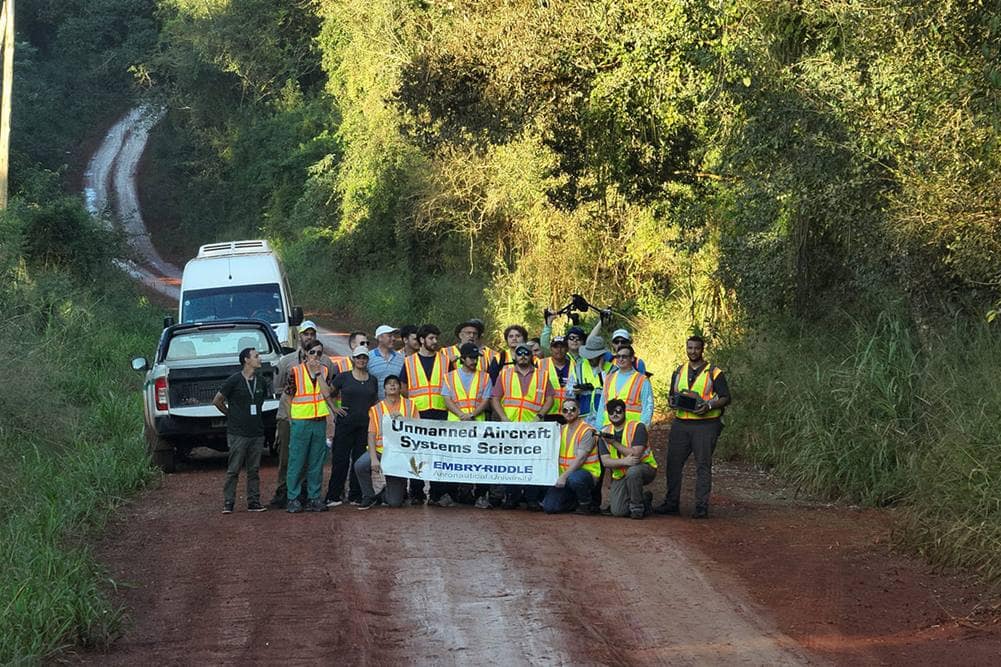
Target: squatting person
x,y
626,452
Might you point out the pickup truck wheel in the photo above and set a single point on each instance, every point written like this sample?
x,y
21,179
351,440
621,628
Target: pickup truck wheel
x,y
161,452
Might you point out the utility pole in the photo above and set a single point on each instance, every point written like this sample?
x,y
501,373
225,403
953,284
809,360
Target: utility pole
x,y
7,21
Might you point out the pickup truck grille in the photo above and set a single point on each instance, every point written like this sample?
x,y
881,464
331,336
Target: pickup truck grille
x,y
191,387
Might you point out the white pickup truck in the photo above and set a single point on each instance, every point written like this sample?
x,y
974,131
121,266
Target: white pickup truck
x,y
191,363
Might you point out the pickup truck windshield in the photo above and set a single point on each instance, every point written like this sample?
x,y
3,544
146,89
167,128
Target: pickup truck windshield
x,y
262,302
215,343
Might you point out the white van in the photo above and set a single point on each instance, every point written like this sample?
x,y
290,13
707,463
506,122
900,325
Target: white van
x,y
239,279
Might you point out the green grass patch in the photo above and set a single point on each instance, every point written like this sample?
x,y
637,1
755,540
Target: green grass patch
x,y
70,435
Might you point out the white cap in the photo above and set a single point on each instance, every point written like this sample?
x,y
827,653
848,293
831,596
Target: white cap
x,y
307,324
622,333
360,351
385,329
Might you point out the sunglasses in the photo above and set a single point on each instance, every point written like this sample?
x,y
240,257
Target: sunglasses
x,y
314,353
620,340
615,411
524,354
569,409
624,356
574,337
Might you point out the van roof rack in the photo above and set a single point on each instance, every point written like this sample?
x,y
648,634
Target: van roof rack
x,y
234,248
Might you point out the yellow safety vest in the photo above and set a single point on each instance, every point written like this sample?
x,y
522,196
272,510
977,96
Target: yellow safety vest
x,y
569,442
630,394
308,402
703,386
405,408
467,400
627,441
517,407
559,393
483,363
425,392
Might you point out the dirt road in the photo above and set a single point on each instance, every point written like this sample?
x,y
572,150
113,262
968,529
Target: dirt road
x,y
421,586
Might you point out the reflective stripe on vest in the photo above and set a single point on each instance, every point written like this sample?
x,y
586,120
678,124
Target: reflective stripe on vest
x,y
630,394
520,408
341,365
627,441
559,392
405,408
423,391
467,401
308,402
568,449
703,387
482,363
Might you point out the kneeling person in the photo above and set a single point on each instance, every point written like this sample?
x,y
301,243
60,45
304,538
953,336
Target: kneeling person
x,y
580,469
626,452
396,487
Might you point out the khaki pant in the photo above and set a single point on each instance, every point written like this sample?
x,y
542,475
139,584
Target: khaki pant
x,y
626,493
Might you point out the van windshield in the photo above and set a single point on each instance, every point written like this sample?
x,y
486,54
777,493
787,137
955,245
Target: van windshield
x,y
262,302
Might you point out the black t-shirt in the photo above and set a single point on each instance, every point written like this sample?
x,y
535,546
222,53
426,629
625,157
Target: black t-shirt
x,y
235,390
427,363
356,397
639,438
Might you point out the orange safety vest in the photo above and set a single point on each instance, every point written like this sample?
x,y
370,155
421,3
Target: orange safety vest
x,y
520,408
308,402
630,394
467,401
425,392
570,441
703,386
341,364
627,441
559,393
405,409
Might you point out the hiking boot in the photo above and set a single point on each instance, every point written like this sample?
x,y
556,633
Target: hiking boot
x,y
316,506
227,508
665,508
445,501
701,513
636,513
256,507
278,502
294,506
482,503
583,508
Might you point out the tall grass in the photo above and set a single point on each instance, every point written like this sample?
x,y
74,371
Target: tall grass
x,y
70,436
862,412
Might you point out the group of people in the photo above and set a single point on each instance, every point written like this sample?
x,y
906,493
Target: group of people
x,y
602,398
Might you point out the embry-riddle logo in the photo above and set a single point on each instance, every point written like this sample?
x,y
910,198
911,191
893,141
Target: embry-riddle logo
x,y
416,467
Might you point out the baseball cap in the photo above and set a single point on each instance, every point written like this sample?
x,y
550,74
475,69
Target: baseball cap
x,y
307,324
385,329
622,333
360,351
523,348
558,340
469,350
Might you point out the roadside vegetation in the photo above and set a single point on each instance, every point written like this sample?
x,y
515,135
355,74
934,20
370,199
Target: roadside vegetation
x,y
70,414
813,185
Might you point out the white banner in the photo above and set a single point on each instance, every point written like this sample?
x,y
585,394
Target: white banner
x,y
471,452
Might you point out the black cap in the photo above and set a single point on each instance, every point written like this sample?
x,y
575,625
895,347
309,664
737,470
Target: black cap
x,y
469,350
558,340
577,330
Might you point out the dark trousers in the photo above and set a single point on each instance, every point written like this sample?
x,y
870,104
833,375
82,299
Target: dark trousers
x,y
437,489
576,492
350,442
691,436
243,452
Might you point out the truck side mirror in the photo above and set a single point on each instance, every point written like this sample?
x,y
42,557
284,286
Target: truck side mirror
x,y
168,321
296,318
139,364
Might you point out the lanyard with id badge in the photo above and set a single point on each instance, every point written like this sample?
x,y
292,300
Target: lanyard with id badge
x,y
253,392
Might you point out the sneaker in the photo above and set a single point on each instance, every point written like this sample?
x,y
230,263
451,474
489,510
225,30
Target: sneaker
x,y
256,507
664,508
294,506
482,503
227,508
533,506
316,506
606,511
636,514
278,502
334,502
582,508
417,500
374,501
356,503
445,501
701,513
